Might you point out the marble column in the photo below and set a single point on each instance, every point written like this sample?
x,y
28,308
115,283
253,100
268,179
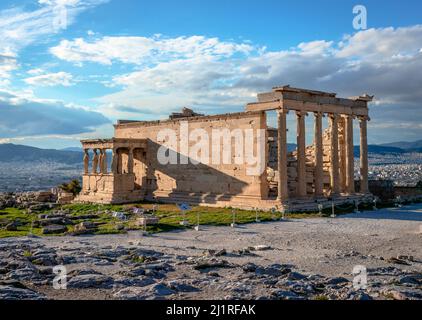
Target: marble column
x,y
101,157
319,156
350,158
95,160
363,155
283,192
342,153
301,155
130,161
105,164
334,155
86,162
115,162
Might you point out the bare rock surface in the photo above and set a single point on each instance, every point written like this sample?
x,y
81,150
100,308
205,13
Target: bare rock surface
x,y
294,259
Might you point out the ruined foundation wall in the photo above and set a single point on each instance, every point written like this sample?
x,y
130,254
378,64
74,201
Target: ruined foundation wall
x,y
209,181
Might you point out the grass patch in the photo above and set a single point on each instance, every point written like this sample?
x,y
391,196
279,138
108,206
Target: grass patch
x,y
78,209
27,254
138,259
169,214
24,219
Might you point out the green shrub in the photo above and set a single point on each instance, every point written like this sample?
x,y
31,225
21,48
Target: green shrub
x,y
73,186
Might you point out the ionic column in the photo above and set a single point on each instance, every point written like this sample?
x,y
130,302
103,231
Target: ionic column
x,y
283,193
301,155
319,154
86,162
350,159
95,162
342,153
334,165
363,155
130,161
115,162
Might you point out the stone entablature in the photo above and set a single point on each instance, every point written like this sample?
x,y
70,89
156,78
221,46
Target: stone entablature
x,y
296,99
121,124
113,143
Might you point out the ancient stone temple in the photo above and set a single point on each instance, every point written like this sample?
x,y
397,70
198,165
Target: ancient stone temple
x,y
214,174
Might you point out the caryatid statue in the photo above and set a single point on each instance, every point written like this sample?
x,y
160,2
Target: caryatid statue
x,y
103,161
101,166
95,162
86,161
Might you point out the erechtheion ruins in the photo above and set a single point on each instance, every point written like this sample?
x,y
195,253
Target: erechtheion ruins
x,y
300,179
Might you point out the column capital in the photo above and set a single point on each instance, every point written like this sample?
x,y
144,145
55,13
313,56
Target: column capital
x,y
347,116
319,114
301,113
334,116
282,111
364,118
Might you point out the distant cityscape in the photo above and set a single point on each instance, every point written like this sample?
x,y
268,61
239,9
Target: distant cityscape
x,y
36,176
404,169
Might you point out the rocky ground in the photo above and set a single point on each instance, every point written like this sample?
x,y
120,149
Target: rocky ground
x,y
293,259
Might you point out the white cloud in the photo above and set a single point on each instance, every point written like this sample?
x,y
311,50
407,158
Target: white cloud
x,y
316,47
8,64
143,51
35,72
384,43
51,79
60,2
20,28
23,115
385,62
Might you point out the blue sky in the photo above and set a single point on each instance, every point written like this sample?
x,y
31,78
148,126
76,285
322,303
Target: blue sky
x,y
127,59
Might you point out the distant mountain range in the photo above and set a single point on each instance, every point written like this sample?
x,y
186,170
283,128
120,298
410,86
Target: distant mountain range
x,y
415,146
77,149
19,153
12,152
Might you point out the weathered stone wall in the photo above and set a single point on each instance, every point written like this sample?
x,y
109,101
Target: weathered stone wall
x,y
108,188
107,183
408,193
26,200
209,181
